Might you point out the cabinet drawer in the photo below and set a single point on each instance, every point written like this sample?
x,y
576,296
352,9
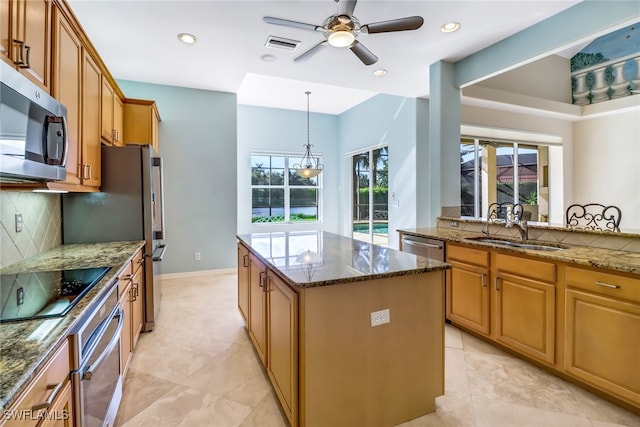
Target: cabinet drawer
x,y
137,262
604,283
50,380
468,255
525,267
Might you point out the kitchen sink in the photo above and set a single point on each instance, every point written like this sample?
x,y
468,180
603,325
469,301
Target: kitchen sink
x,y
521,245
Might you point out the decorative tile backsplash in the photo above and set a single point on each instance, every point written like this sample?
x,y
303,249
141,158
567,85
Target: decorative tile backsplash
x,y
42,229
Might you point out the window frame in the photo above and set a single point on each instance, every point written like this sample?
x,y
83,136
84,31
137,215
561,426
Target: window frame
x,y
287,187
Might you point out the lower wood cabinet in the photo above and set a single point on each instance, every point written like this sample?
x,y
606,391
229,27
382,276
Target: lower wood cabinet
x,y
468,292
126,344
243,282
48,396
282,344
257,325
525,306
602,336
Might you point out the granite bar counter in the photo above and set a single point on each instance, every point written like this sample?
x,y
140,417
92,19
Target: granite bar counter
x,y
26,345
350,333
319,258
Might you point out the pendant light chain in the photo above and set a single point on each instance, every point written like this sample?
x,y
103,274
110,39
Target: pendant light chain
x,y
308,93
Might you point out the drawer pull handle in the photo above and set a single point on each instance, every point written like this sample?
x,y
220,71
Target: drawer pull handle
x,y
42,405
607,285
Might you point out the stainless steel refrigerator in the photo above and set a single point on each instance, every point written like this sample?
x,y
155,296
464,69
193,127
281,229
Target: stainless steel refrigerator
x,y
129,206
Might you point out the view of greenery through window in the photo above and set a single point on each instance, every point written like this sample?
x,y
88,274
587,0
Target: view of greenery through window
x,y
500,172
278,193
371,214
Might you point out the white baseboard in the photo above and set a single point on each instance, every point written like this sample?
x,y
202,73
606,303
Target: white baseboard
x,y
197,273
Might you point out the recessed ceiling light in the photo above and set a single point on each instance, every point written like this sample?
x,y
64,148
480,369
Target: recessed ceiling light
x,y
187,38
268,58
450,27
380,72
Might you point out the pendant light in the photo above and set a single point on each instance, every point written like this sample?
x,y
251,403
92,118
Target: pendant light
x,y
309,166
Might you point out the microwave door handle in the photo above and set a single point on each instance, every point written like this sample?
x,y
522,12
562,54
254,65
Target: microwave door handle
x,y
88,373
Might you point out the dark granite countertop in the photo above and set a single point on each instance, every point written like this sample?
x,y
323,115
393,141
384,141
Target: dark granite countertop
x,y
26,345
317,258
622,261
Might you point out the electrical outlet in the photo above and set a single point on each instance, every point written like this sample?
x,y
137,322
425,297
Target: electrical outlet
x,y
20,296
380,317
455,224
19,222
197,256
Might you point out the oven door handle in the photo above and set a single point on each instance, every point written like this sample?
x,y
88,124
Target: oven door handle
x,y
88,373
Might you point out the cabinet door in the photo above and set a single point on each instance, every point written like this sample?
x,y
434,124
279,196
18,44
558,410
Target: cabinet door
x,y
5,30
602,338
257,307
243,282
525,316
467,296
61,412
282,357
137,293
155,122
118,120
91,83
107,111
126,346
34,29
66,87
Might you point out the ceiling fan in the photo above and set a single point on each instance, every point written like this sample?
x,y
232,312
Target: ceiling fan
x,y
342,30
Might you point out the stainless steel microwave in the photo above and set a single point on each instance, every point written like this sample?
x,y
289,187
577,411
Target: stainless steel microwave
x,y
33,131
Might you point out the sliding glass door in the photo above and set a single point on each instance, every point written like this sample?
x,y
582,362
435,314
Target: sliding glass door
x,y
370,200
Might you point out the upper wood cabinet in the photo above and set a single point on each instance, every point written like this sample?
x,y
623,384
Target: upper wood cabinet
x,y
112,114
67,87
141,120
91,120
26,38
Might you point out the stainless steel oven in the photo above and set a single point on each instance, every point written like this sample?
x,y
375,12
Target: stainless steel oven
x,y
96,376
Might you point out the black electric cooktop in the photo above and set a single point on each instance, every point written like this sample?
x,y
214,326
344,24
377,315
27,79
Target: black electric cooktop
x,y
45,294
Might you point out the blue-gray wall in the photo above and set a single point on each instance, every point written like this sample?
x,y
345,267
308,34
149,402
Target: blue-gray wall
x,y
198,147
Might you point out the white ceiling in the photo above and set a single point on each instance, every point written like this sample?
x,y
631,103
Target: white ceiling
x,y
138,41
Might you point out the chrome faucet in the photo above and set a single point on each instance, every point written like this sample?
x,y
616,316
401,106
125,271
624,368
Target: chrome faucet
x,y
522,226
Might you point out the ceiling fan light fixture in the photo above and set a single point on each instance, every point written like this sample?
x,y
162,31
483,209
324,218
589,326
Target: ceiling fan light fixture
x,y
341,38
450,27
309,166
187,38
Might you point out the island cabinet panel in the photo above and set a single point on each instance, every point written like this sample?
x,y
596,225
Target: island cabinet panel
x,y
525,306
468,291
258,307
353,374
282,344
243,282
602,332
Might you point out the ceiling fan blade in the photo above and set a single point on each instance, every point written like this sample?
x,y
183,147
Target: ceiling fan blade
x,y
365,55
294,24
308,54
401,24
346,7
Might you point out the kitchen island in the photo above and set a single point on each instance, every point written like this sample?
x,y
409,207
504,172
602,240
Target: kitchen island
x,y
349,333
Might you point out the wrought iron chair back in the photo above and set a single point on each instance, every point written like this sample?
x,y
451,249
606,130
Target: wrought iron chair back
x,y
594,216
504,212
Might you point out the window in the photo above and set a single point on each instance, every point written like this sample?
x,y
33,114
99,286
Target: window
x,y
370,196
492,171
278,194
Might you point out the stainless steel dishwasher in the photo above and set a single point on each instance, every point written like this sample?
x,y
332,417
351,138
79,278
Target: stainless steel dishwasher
x,y
423,246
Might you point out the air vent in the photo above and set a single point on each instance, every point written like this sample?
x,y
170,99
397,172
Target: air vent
x,y
281,43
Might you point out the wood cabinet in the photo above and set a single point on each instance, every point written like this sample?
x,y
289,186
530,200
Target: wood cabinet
x,y
26,38
467,288
258,307
282,344
49,395
112,114
602,334
126,343
67,87
137,299
131,303
243,282
525,306
91,122
141,120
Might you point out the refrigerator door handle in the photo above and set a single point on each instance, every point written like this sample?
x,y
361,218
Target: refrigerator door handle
x,y
162,248
157,198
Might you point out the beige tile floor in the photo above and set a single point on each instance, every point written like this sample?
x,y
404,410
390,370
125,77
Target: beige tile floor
x,y
197,368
